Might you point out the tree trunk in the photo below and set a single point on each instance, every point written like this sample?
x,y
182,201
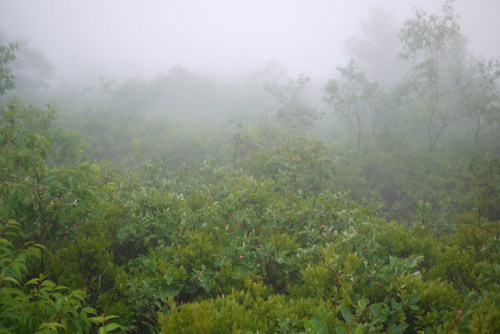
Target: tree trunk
x,y
478,127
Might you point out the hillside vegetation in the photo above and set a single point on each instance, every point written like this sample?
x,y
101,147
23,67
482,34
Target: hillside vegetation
x,y
119,215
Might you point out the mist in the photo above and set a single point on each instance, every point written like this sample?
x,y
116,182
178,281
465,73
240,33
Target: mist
x,y
250,166
223,39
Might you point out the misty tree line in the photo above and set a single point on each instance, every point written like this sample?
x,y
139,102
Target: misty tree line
x,y
404,91
430,83
404,94
445,85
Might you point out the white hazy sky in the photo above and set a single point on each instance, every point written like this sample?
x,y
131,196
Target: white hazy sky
x,y
221,37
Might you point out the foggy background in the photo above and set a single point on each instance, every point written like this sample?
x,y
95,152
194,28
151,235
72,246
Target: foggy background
x,y
224,39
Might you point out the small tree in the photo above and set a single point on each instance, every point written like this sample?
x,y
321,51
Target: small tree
x,y
480,94
293,112
352,96
431,43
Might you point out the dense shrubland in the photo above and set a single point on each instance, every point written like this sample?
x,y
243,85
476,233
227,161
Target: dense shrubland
x,y
115,218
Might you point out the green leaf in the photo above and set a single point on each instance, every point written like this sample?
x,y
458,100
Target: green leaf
x,y
340,330
52,326
109,317
169,292
12,280
5,241
59,303
317,326
358,330
322,311
111,327
402,326
49,284
168,278
346,314
17,267
376,310
98,320
414,298
464,326
416,261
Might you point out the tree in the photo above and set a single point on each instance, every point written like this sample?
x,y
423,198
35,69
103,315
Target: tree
x,y
7,56
293,112
434,46
377,48
480,94
352,97
32,72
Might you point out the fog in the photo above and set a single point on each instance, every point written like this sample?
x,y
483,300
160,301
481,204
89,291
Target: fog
x,y
218,165
220,38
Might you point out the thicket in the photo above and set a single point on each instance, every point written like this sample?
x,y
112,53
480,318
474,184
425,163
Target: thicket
x,y
258,227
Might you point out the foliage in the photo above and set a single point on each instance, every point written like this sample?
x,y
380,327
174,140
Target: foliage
x,y
293,112
297,164
38,304
205,228
432,44
263,248
480,92
7,55
35,207
353,97
481,182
